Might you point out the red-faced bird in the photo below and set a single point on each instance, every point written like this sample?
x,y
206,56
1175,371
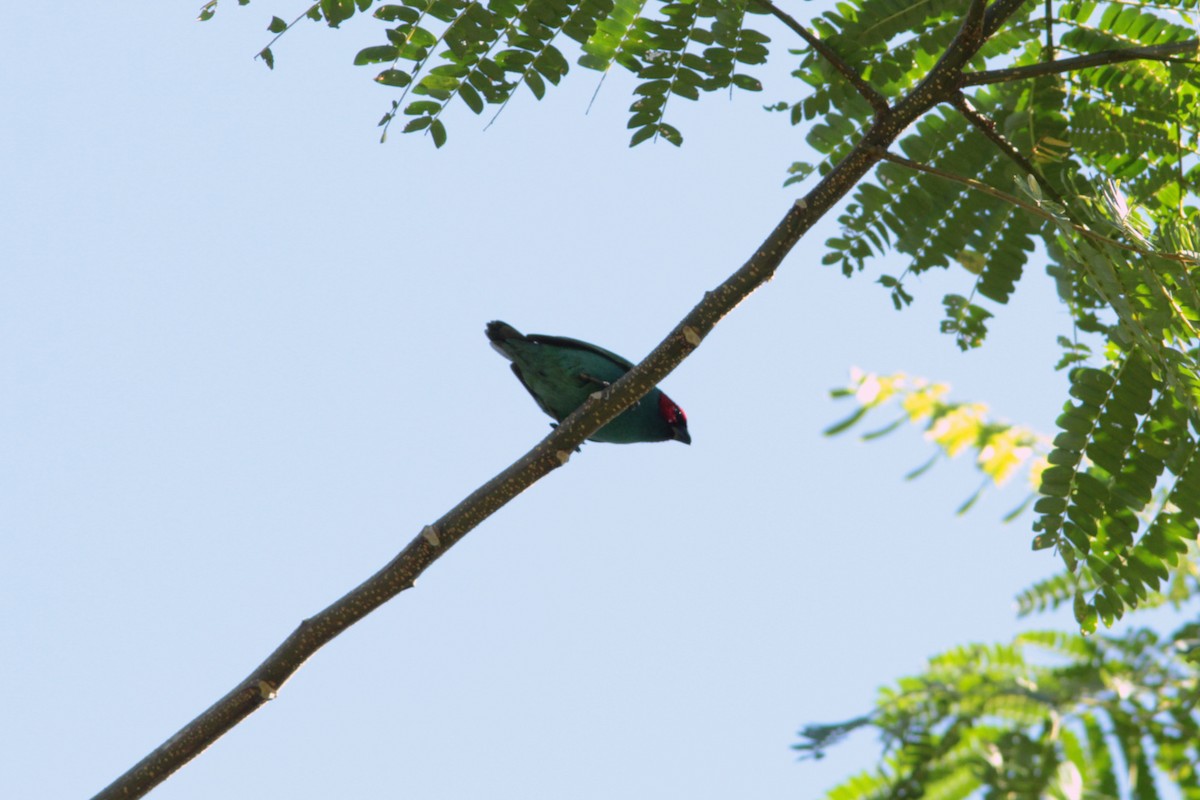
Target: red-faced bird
x,y
561,373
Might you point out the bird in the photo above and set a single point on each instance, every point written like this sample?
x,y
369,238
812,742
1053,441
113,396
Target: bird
x,y
561,373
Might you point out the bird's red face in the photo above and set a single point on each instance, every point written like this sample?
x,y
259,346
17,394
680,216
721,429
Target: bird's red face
x,y
675,418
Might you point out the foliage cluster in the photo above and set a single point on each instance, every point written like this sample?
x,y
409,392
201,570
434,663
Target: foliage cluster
x,y
1051,713
482,52
1048,158
1001,449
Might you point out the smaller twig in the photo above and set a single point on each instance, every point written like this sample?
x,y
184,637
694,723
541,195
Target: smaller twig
x,y
271,43
987,127
1049,31
877,101
1179,166
1036,210
1160,52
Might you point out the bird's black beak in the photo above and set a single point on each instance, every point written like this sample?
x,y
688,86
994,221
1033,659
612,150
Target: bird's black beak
x,y
682,435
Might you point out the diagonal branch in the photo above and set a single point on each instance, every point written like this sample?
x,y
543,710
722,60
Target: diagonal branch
x,y
261,685
434,540
1160,52
1049,16
998,13
987,127
877,101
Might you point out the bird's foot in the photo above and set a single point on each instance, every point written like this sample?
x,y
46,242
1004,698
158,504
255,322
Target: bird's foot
x,y
593,379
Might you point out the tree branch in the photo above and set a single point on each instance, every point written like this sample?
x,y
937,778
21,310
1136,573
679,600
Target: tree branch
x,y
877,101
988,128
974,19
1049,17
938,86
1160,52
998,13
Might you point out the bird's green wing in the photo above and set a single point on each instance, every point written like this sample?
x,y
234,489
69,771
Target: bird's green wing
x,y
517,371
563,341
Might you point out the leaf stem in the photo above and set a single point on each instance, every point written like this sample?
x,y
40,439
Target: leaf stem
x,y
279,35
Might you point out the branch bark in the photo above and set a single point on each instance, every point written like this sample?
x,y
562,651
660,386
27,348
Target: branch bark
x,y
988,128
1048,15
940,85
1161,52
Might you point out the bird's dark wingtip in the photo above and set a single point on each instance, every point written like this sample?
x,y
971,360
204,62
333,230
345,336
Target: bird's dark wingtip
x,y
500,332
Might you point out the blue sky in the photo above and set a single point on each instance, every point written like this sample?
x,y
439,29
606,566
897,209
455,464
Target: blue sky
x,y
242,345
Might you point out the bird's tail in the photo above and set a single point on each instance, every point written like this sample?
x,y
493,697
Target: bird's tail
x,y
499,333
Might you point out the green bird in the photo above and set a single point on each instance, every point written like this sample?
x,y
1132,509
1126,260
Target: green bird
x,y
561,373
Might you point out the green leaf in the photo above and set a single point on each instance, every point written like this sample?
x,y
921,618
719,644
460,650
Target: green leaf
x,y
685,90
1050,505
438,131
394,13
747,83
439,83
337,11
885,430
394,77
913,474
535,84
268,57
641,135
670,134
653,88
1044,541
376,55
1074,442
422,107
471,97
277,25
413,36
846,423
1085,614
